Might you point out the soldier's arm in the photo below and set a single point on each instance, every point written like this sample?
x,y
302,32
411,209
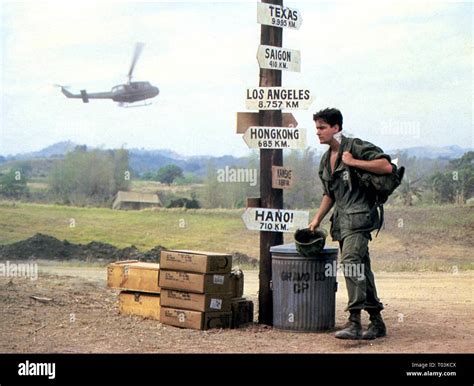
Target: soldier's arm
x,y
377,166
324,208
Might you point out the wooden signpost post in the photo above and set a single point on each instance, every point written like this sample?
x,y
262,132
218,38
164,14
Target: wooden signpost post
x,y
271,131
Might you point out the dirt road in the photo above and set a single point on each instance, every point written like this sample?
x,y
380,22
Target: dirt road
x,y
425,312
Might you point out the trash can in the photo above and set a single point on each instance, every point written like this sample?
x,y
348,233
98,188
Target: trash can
x,y
304,289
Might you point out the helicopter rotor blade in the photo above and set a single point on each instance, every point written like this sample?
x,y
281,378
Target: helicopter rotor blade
x,y
138,50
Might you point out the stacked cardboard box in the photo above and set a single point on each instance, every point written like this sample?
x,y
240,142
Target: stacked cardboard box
x,y
196,289
138,282
187,289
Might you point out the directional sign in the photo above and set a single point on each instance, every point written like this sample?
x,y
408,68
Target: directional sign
x,y
259,137
278,98
282,178
277,16
277,58
275,220
245,120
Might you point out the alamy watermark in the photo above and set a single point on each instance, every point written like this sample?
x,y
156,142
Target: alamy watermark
x,y
345,269
8,269
237,175
400,129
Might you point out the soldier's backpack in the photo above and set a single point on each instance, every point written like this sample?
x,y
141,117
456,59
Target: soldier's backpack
x,y
381,185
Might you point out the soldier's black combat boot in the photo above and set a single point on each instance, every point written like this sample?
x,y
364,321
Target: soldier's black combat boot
x,y
376,328
353,329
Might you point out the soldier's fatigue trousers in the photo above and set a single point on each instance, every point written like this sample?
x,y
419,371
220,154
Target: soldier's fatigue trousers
x,y
360,281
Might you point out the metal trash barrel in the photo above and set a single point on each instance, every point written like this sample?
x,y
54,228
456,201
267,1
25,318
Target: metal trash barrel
x,y
304,295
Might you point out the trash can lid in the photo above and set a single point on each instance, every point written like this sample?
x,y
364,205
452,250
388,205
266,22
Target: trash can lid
x,y
290,249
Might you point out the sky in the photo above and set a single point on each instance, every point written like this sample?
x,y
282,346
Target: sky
x,y
400,72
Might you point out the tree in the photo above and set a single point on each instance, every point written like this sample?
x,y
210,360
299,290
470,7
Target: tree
x,y
13,184
167,174
90,177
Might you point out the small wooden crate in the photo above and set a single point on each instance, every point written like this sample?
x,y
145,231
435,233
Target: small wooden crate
x,y
132,275
140,304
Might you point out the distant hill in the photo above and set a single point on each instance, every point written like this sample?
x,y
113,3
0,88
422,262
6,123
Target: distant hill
x,y
142,161
57,149
431,152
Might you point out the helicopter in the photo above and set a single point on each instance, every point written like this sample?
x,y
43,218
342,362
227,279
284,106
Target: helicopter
x,y
124,94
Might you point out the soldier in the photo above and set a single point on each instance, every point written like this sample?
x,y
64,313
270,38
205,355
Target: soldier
x,y
355,215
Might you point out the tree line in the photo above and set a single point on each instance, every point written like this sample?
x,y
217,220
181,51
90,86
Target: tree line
x,y
93,177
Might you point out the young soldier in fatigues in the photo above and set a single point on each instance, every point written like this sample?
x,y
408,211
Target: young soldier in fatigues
x,y
354,217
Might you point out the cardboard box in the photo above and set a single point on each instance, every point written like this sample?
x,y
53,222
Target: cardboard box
x,y
195,261
141,304
195,319
237,283
132,275
195,302
242,312
195,282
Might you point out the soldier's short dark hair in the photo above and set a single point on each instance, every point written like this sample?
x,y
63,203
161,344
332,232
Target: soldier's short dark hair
x,y
330,116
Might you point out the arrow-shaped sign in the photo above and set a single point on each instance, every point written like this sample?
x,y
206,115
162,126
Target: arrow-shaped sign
x,y
277,16
277,58
259,137
275,220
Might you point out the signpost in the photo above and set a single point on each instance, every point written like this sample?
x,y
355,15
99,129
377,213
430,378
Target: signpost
x,y
271,132
282,178
277,16
278,98
275,138
276,58
275,220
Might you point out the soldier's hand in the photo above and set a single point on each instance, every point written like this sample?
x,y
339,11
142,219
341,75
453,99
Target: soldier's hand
x,y
347,158
313,225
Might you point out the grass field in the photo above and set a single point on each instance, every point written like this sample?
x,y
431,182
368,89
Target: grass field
x,y
420,238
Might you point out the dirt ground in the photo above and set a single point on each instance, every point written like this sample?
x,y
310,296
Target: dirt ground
x,y
427,312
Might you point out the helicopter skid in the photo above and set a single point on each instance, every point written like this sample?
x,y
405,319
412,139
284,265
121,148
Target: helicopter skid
x,y
128,105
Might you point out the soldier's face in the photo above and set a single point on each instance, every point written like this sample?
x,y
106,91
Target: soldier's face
x,y
325,131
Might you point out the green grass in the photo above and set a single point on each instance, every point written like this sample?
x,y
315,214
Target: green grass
x,y
216,230
434,238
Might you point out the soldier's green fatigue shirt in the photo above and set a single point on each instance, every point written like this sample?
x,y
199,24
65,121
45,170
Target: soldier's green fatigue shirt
x,y
354,217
